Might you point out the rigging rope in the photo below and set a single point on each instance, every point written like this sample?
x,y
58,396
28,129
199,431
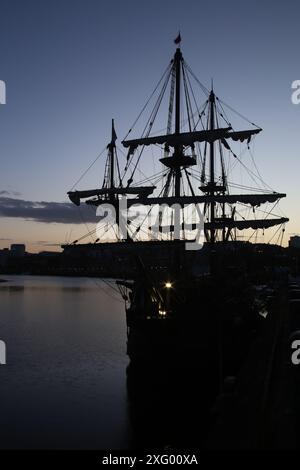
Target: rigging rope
x,y
150,97
238,113
83,175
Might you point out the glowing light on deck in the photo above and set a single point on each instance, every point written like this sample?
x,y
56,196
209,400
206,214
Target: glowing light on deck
x,y
168,285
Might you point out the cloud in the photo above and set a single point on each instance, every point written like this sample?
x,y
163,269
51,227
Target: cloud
x,y
4,192
45,243
46,212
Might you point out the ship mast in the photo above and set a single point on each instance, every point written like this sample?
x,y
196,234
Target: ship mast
x,y
212,166
176,143
178,148
112,154
109,175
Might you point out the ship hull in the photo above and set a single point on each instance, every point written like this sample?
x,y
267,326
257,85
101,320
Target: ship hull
x,y
180,364
207,323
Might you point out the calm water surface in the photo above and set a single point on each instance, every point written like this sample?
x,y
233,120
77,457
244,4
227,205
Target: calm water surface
x,y
64,385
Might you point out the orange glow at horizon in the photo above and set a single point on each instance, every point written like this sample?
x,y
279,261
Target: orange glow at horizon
x,y
39,236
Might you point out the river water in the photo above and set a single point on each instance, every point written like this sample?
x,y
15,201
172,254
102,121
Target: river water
x,y
64,384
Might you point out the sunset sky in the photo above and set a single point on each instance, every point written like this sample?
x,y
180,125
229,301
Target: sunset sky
x,y
72,65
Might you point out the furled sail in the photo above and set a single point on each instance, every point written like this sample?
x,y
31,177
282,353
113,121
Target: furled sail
x,y
246,224
225,223
252,199
242,135
171,228
76,196
188,138
174,140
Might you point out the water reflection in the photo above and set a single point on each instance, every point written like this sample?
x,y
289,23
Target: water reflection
x,y
64,385
11,288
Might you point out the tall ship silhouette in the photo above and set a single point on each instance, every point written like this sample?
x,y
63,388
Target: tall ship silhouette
x,y
186,253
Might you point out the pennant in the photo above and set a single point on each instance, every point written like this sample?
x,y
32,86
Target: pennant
x,y
178,39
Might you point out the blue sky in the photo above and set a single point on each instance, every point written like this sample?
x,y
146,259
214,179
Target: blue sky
x,y
72,65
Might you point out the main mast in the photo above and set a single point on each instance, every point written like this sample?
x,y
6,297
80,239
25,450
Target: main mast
x,y
178,149
212,166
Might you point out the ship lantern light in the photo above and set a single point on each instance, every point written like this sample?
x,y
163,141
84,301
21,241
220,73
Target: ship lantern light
x,y
162,313
168,285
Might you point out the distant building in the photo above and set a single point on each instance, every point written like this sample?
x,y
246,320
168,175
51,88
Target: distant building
x,y
18,250
294,241
3,257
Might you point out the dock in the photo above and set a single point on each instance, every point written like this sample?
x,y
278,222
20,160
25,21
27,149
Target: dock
x,y
263,411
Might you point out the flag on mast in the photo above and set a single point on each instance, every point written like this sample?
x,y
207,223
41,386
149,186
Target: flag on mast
x,y
178,39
